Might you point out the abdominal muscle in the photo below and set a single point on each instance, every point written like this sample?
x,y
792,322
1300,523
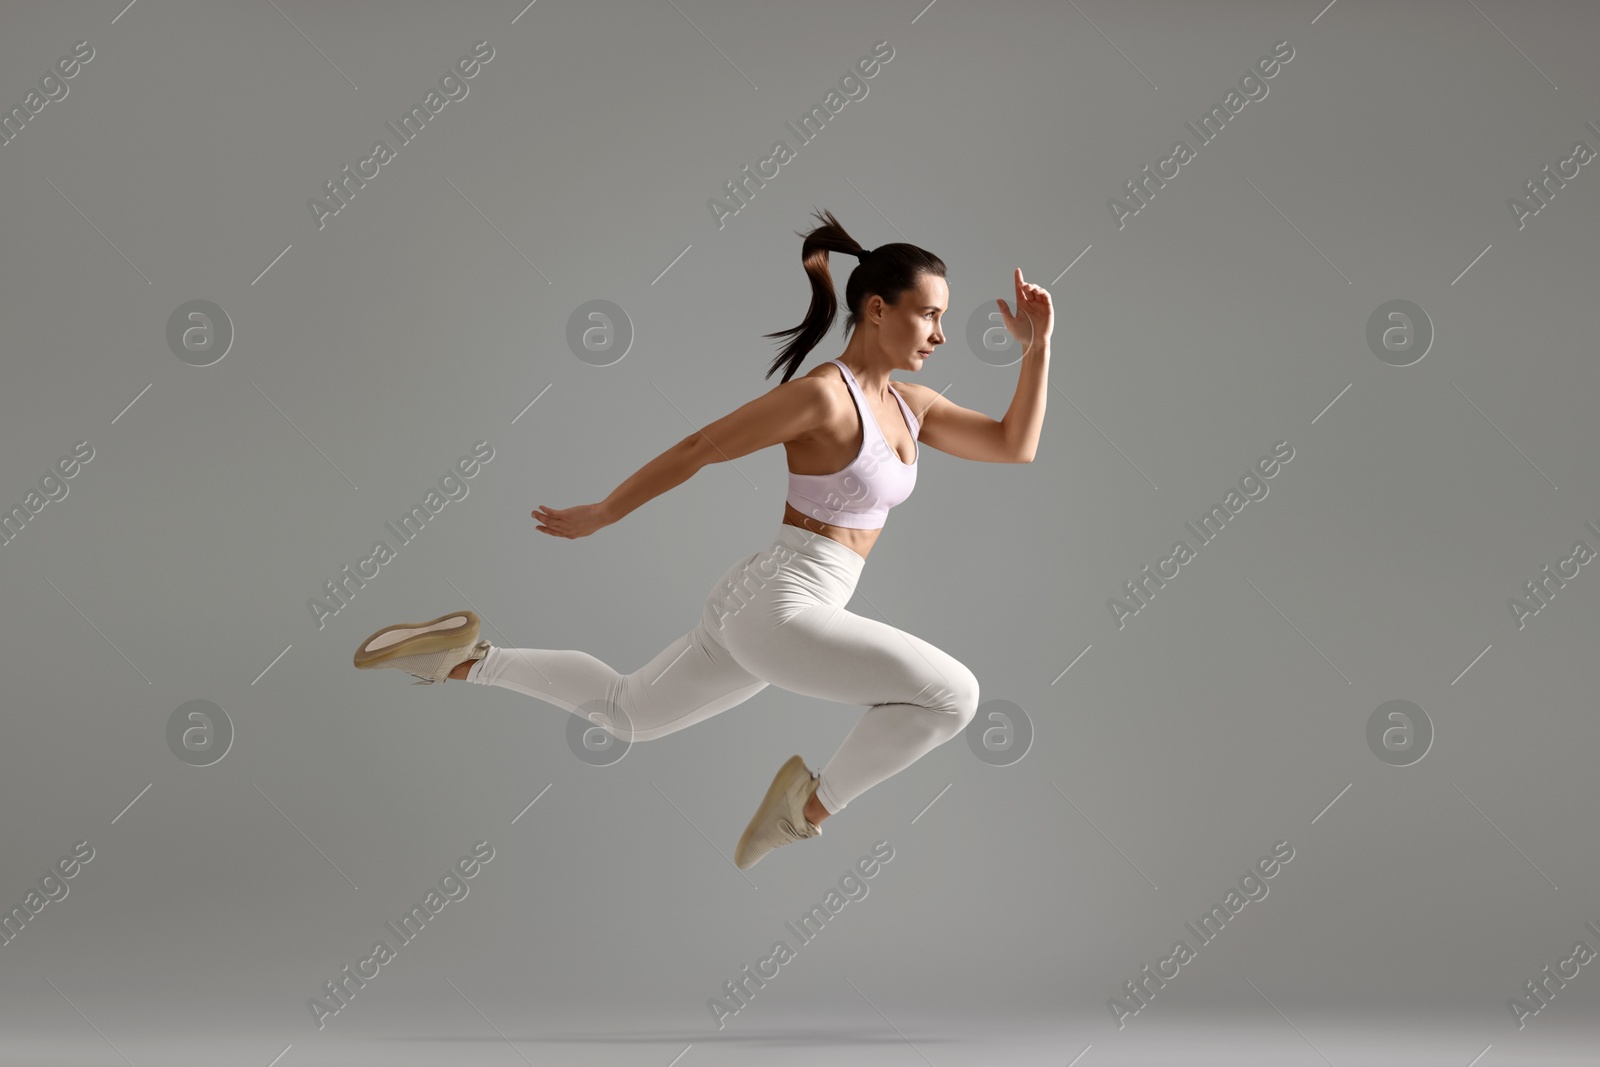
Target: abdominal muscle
x,y
858,541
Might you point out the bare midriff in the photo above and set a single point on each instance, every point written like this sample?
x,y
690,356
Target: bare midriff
x,y
858,541
812,456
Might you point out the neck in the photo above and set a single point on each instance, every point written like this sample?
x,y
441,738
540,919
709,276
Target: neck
x,y
874,381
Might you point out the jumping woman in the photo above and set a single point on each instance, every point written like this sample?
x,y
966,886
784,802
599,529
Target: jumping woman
x,y
778,616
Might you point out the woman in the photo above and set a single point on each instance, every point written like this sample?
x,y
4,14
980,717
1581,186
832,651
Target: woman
x,y
778,616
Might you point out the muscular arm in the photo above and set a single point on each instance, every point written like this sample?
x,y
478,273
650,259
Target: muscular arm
x,y
969,434
667,471
1024,419
782,414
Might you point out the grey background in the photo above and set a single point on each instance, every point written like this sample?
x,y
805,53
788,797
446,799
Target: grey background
x,y
1226,316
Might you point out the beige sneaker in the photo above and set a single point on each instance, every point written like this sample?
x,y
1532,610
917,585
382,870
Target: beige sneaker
x,y
781,817
428,650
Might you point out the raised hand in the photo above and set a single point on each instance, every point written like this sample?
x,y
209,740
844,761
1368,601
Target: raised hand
x,y
1035,316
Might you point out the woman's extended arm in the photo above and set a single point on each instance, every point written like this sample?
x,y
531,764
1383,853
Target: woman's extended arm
x,y
667,471
781,414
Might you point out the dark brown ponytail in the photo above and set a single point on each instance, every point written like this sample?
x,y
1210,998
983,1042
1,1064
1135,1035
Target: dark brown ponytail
x,y
887,270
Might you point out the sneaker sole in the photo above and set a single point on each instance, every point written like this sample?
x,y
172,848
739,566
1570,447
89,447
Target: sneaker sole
x,y
793,770
450,630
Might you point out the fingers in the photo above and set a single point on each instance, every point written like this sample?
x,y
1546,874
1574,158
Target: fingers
x,y
1027,292
551,521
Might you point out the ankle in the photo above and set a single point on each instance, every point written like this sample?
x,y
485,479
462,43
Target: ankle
x,y
814,811
459,671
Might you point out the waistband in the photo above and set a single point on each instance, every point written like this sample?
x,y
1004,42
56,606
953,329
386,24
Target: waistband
x,y
824,550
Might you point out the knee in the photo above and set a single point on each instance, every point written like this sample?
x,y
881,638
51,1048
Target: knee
x,y
957,699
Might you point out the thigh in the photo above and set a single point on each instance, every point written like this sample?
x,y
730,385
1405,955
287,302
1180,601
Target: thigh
x,y
690,680
830,652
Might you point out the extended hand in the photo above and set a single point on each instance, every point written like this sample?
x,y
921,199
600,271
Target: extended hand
x,y
1035,316
579,521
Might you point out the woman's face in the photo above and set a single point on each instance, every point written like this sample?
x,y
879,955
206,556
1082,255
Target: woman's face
x,y
909,330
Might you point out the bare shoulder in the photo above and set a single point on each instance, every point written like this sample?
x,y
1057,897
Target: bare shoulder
x,y
919,398
825,380
824,372
817,380
824,403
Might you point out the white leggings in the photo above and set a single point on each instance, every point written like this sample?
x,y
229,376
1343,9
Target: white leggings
x,y
777,617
